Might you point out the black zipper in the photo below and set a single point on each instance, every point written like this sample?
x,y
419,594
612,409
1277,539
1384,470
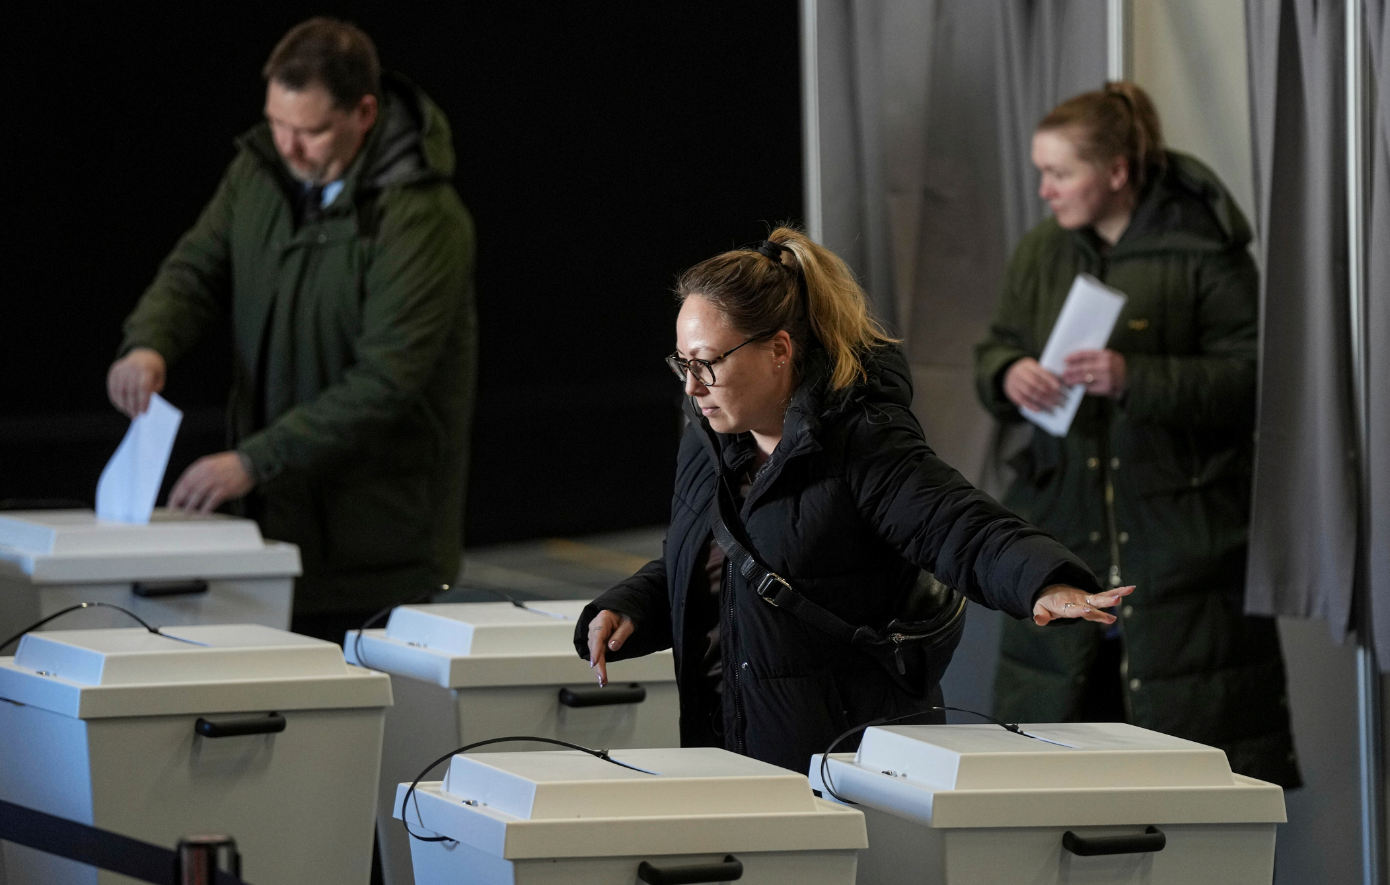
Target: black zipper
x,y
733,648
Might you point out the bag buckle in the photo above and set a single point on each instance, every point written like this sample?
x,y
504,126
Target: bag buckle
x,y
762,587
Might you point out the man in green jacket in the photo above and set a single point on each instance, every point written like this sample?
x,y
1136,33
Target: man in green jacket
x,y
344,257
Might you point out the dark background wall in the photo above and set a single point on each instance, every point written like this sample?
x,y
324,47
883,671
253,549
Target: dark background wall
x,y
602,148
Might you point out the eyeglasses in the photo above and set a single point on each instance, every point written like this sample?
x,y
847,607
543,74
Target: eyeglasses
x,y
703,370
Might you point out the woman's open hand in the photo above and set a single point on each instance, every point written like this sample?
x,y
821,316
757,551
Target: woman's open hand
x,y
607,632
1065,601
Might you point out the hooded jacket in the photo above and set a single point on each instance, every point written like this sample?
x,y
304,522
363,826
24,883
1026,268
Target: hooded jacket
x,y
354,351
1152,490
849,508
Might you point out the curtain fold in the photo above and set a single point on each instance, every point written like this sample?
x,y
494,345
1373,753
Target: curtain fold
x,y
1304,520
1378,325
867,52
1032,52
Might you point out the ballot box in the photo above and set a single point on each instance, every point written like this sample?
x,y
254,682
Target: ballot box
x,y
1083,802
263,735
177,569
465,672
697,814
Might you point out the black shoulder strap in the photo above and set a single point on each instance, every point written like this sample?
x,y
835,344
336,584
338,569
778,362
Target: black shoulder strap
x,y
770,586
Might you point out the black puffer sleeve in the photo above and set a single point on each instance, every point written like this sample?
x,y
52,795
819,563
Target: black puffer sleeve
x,y
642,597
937,520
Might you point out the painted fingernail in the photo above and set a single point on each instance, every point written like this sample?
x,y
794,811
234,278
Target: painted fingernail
x,y
613,644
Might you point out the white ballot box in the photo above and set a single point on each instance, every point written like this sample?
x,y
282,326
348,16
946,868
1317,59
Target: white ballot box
x,y
177,569
1091,802
466,672
689,815
265,736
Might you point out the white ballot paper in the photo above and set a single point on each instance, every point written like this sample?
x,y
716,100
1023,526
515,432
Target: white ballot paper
x,y
1088,316
130,483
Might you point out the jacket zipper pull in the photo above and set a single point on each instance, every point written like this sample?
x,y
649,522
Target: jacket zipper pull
x,y
898,656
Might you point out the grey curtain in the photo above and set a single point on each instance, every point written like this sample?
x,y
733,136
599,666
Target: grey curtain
x,y
1303,527
863,49
1047,50
1378,325
926,110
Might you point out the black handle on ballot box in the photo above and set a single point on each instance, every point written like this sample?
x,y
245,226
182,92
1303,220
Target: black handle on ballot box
x,y
731,870
1152,839
603,697
156,589
273,723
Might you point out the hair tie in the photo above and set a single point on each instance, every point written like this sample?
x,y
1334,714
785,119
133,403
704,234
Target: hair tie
x,y
771,250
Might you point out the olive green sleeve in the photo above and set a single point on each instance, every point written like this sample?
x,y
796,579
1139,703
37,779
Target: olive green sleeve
x,y
419,281
1215,388
1009,337
193,284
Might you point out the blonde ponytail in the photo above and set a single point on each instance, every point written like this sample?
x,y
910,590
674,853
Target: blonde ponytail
x,y
792,283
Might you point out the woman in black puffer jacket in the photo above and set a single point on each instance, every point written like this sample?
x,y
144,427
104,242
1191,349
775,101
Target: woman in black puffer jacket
x,y
799,404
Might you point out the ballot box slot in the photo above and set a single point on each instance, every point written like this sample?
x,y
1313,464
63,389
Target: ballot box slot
x,y
271,723
161,589
1152,839
594,696
728,870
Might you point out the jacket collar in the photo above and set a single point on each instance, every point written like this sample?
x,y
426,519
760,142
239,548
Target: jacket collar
x,y
888,385
1187,207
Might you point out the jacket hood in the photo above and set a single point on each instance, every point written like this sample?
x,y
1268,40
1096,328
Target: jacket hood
x,y
1186,207
410,142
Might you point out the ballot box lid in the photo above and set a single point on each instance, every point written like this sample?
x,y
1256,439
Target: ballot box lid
x,y
57,545
567,803
476,644
199,668
933,770
483,628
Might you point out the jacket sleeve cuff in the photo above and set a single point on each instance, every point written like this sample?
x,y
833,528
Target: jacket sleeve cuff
x,y
1073,574
258,456
990,381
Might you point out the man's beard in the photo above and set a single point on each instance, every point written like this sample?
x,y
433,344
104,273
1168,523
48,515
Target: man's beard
x,y
315,176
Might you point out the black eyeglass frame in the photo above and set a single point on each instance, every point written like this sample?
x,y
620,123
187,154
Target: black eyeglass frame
x,y
682,366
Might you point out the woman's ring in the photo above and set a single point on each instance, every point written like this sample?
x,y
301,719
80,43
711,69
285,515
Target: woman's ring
x,y
1067,605
1090,377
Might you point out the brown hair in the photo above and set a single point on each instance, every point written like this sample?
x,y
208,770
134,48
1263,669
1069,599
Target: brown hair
x,y
806,289
328,52
1117,121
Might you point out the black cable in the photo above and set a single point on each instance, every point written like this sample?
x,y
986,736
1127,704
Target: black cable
x,y
379,616
601,754
81,605
825,757
505,596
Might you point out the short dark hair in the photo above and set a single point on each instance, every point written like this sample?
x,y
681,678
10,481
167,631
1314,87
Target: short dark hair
x,y
334,54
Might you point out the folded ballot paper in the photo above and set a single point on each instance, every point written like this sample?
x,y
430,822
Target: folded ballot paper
x,y
130,483
1085,323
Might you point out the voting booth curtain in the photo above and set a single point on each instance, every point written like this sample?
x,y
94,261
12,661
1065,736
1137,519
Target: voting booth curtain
x,y
1378,322
920,119
1305,530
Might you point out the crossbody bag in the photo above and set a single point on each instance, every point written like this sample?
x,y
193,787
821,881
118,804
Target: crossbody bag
x,y
914,648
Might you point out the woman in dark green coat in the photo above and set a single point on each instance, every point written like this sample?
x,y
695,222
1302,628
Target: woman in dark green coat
x,y
1151,484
